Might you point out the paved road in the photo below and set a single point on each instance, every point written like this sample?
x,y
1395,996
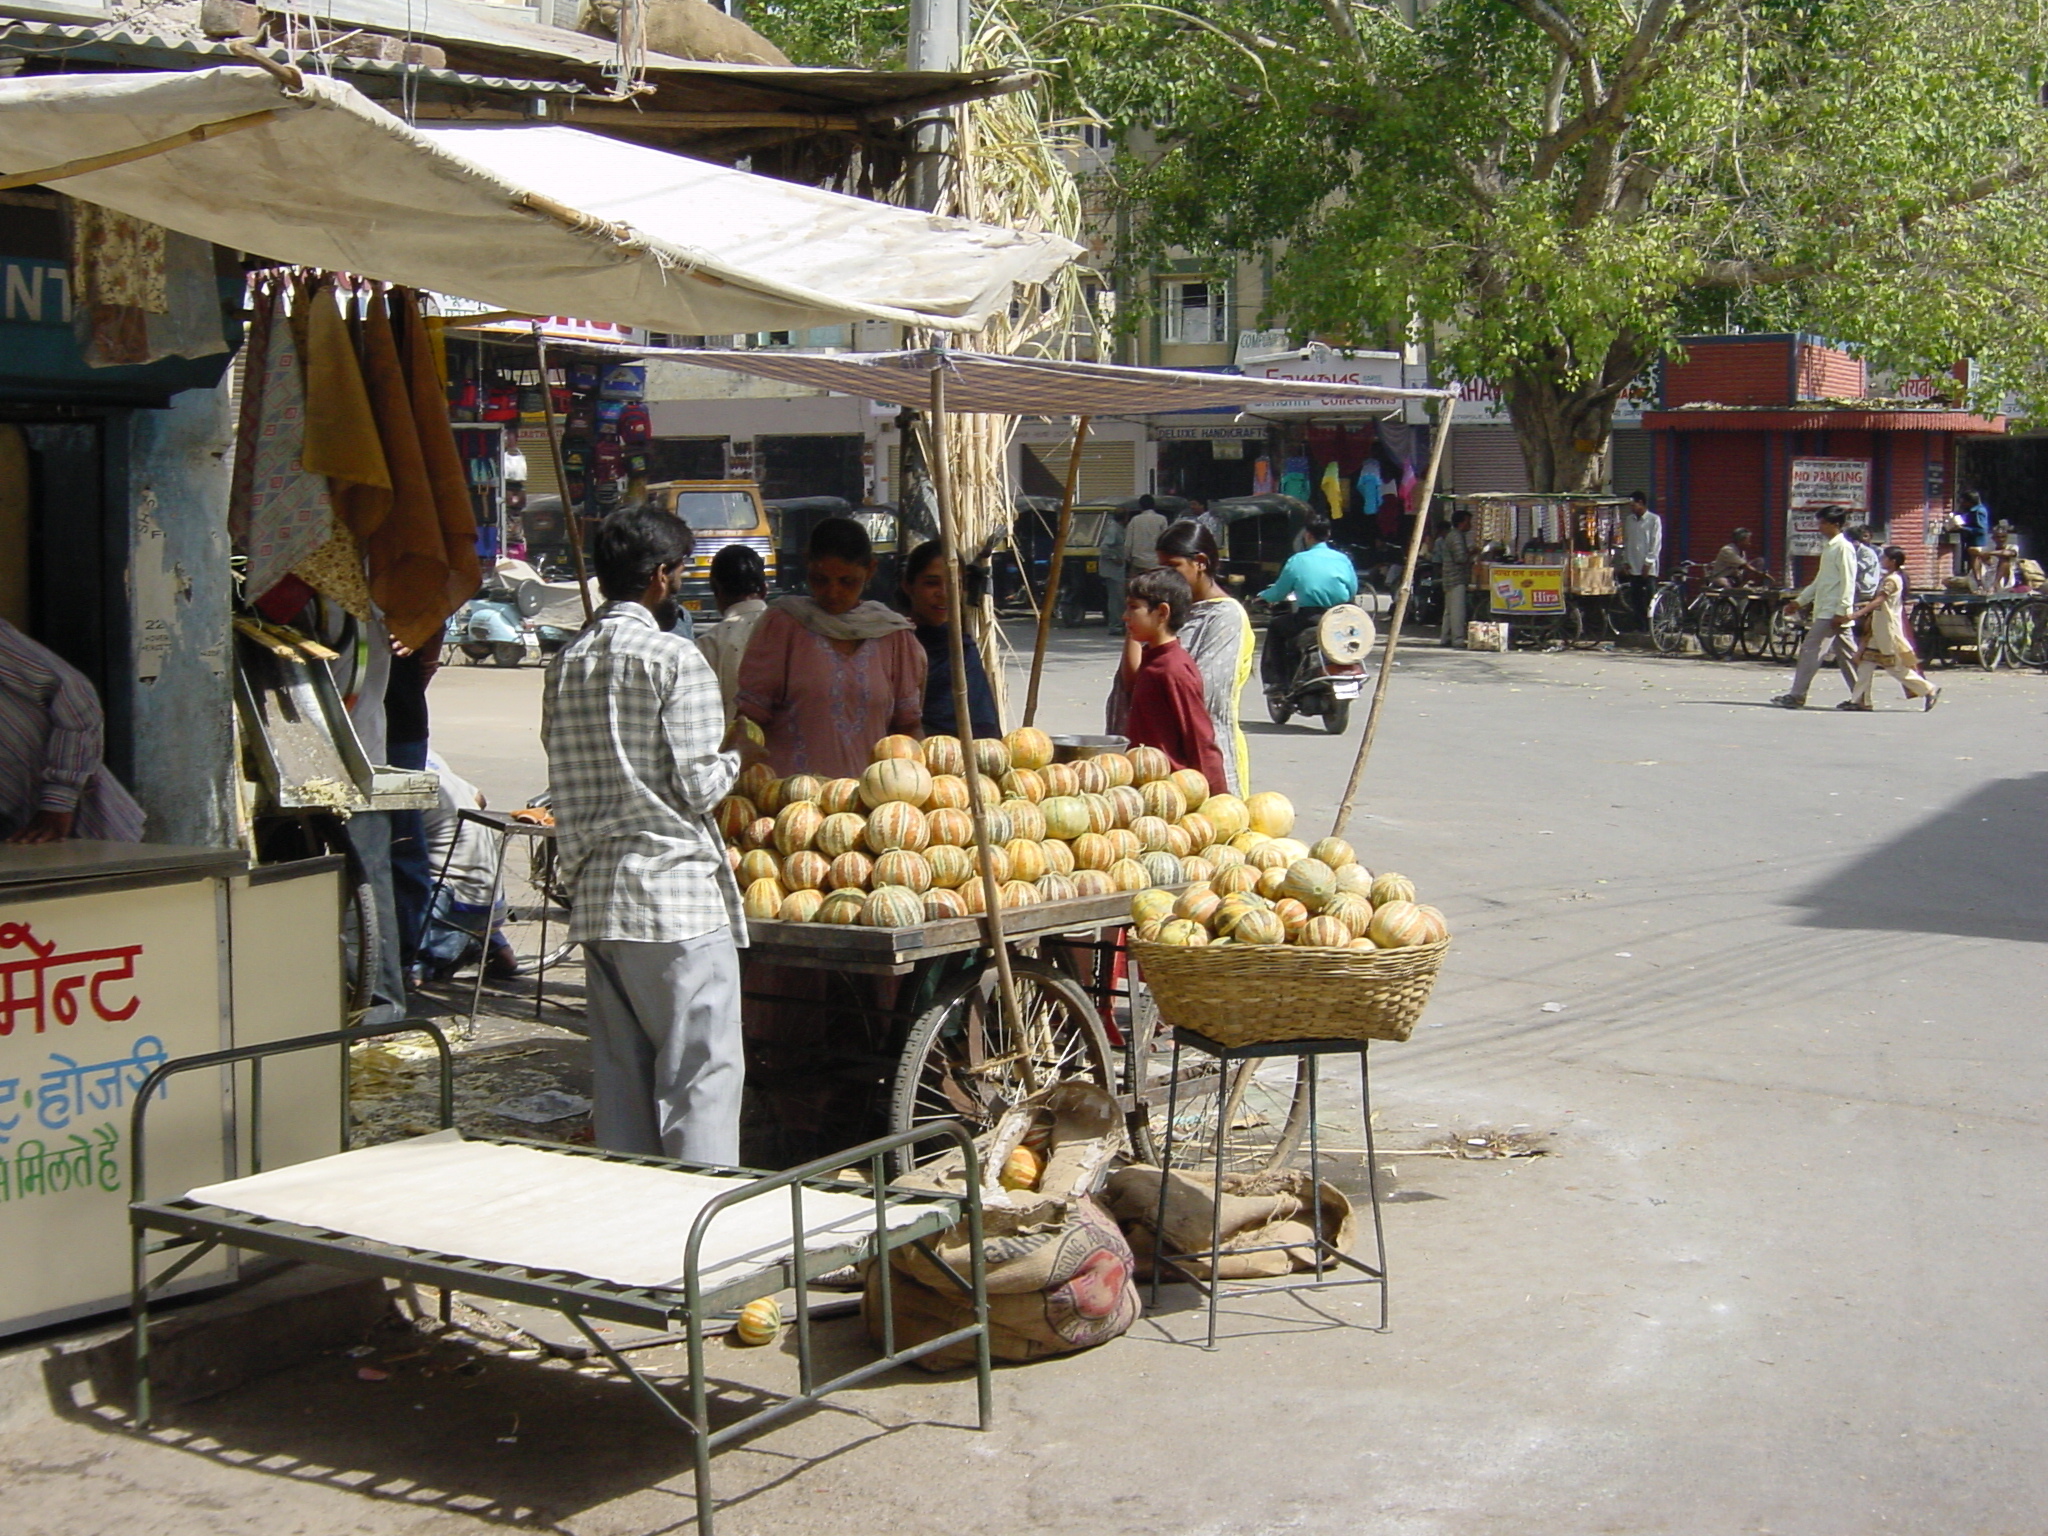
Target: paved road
x,y
1767,986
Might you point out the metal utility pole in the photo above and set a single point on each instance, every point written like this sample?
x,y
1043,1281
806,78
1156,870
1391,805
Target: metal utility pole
x,y
938,41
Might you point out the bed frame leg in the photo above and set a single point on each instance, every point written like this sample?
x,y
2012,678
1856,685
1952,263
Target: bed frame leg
x,y
138,1316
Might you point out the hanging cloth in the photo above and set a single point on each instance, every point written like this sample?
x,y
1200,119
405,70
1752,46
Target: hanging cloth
x,y
408,558
341,430
289,515
443,457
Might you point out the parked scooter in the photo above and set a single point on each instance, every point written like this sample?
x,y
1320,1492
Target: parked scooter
x,y
1327,670
516,615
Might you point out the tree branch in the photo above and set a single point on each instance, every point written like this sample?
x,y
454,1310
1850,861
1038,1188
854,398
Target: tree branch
x,y
1556,26
1339,13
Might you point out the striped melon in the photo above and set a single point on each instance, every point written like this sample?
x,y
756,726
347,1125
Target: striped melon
x,y
801,786
1150,832
1195,867
763,899
1197,903
1126,804
1181,931
949,827
1059,856
985,789
996,822
1273,882
942,754
1148,904
732,859
1066,816
1355,878
1101,814
1271,813
940,902
771,798
796,826
973,897
895,824
1292,914
1129,875
900,748
1091,777
1093,882
1178,843
760,833
1060,779
1125,842
1227,814
806,871
1025,819
1334,851
1259,928
800,906
991,756
1023,784
758,864
1324,933
1149,764
1027,858
1054,886
1200,829
1030,748
735,814
754,781
1224,919
949,791
840,833
852,870
950,865
1163,868
1020,893
1149,932
1236,877
1222,855
1193,785
1399,925
1391,887
998,858
892,906
1247,840
905,867
839,795
1294,848
1271,854
1115,766
842,907
896,779
1093,850
1350,909
1163,798
1438,927
1310,882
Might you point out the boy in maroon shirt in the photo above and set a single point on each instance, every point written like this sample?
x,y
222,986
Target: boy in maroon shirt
x,y
1166,688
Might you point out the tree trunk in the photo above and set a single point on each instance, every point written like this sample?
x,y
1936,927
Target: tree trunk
x,y
1563,433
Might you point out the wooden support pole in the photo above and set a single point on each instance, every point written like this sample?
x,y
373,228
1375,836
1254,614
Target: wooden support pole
x,y
956,649
1054,571
1379,692
116,157
570,515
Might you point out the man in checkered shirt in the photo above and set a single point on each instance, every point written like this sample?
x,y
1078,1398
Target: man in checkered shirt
x,y
634,728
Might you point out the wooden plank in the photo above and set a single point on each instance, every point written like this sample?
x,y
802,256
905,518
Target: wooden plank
x,y
840,946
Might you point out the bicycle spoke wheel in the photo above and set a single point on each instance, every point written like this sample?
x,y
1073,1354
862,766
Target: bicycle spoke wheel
x,y
2030,642
1755,634
1667,618
1264,1113
1786,634
1720,628
1991,638
964,1061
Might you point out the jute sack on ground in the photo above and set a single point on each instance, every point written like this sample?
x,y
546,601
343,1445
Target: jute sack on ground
x,y
1260,1210
1060,1274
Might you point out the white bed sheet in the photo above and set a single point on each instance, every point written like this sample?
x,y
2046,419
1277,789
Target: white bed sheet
x,y
621,1222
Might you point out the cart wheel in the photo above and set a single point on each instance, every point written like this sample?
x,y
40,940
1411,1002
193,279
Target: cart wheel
x,y
1991,638
476,650
1927,637
961,1061
1337,718
1264,1116
2028,635
1667,618
1278,708
1754,638
1720,629
1786,634
507,653
1072,613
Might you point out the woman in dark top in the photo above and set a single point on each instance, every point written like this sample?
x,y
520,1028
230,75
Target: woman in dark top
x,y
924,592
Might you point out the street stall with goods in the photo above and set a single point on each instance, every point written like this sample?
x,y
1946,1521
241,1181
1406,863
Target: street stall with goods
x,y
1547,567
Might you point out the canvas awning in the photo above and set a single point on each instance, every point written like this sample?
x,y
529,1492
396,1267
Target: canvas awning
x,y
1028,386
537,219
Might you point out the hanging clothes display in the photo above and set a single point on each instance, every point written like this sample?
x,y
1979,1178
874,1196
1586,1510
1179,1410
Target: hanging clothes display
x,y
286,515
456,514
408,556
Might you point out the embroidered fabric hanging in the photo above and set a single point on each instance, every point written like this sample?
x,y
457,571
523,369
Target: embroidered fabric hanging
x,y
287,514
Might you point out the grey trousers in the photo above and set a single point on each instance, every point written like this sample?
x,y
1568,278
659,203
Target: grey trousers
x,y
665,1054
1454,615
1824,646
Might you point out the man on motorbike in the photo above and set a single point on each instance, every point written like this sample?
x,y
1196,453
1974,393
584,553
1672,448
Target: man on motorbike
x,y
1318,578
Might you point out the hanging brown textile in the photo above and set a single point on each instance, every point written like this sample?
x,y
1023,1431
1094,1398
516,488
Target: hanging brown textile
x,y
342,442
445,474
408,556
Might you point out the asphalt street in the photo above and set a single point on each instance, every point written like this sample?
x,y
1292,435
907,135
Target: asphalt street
x,y
1764,989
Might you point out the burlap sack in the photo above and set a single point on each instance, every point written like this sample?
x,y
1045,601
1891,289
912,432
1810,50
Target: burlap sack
x,y
1268,1211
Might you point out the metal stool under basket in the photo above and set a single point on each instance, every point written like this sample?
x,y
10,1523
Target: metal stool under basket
x,y
503,828
1327,1255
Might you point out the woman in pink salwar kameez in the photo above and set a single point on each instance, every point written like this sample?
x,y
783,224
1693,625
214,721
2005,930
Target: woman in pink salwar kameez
x,y
827,676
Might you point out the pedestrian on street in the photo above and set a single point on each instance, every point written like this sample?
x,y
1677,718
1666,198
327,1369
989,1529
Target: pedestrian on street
x,y
1109,560
1141,537
1829,598
637,761
1642,552
1454,552
1888,645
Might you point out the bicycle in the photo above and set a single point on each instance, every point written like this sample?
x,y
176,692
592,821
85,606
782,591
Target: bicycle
x,y
1711,616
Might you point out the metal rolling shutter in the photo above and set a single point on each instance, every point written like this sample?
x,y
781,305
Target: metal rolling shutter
x,y
1630,458
1487,459
1109,467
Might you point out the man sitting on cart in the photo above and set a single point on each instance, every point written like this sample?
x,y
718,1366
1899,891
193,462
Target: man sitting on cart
x,y
1318,578
1732,568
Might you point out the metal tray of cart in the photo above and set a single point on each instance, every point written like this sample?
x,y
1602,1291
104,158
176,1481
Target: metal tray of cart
x,y
1997,629
899,951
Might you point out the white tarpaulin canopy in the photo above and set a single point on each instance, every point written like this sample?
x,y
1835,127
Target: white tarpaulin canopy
x,y
1030,386
537,219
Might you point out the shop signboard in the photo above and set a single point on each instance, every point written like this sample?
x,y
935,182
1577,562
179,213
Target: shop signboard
x,y
96,991
1326,365
1525,590
1818,483
552,327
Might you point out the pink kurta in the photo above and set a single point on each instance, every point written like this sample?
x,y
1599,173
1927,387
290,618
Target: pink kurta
x,y
823,711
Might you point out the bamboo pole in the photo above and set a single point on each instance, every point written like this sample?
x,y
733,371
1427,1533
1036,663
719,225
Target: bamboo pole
x,y
1054,571
963,727
91,163
1379,692
570,515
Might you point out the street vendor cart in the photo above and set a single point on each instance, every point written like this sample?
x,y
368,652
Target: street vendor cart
x,y
1548,571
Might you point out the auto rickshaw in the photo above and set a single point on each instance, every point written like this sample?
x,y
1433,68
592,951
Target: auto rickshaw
x,y
1259,534
795,517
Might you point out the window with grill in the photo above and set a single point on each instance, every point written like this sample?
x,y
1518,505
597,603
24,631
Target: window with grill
x,y
1193,312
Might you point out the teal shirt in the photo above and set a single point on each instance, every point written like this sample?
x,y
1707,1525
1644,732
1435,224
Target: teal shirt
x,y
1318,577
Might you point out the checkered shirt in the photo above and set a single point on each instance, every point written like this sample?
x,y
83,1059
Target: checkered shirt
x,y
632,722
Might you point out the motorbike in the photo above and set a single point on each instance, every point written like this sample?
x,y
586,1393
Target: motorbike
x,y
517,614
1327,668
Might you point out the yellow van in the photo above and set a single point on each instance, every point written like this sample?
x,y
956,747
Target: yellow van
x,y
719,512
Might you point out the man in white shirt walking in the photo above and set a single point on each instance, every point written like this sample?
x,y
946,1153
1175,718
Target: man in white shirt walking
x,y
1831,598
1642,551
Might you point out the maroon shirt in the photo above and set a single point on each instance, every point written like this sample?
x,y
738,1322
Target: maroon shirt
x,y
1167,712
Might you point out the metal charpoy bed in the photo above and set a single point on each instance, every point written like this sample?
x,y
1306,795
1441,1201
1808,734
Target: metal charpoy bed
x,y
594,1236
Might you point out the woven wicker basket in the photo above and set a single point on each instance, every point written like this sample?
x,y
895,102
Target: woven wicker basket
x,y
1254,994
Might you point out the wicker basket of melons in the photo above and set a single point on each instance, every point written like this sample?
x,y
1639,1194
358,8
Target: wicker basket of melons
x,y
1294,943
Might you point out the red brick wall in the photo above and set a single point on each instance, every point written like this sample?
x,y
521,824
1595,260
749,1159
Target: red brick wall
x,y
1826,373
1910,453
1754,371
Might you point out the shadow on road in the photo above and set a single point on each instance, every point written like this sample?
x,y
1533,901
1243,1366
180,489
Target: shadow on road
x,y
1976,869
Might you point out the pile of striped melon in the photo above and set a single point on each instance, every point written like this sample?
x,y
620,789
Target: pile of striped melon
x,y
895,846
1280,891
